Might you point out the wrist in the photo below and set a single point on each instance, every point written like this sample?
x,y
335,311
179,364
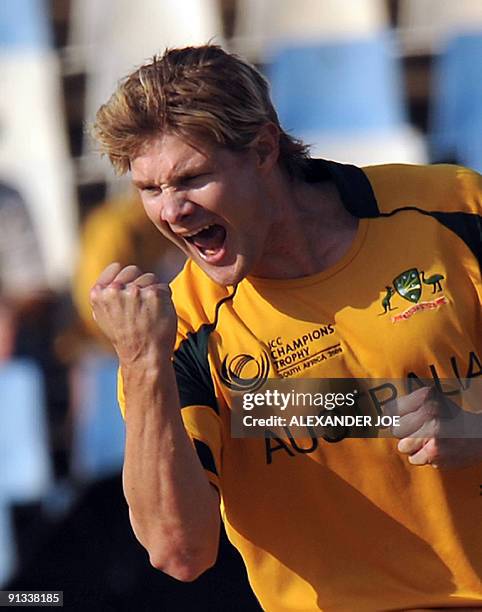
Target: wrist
x,y
150,363
149,382
148,355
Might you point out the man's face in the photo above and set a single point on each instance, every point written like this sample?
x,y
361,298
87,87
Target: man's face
x,y
209,201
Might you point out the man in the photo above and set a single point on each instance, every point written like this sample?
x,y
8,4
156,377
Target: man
x,y
289,254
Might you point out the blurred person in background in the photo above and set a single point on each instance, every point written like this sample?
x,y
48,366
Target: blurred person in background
x,y
31,314
23,288
280,247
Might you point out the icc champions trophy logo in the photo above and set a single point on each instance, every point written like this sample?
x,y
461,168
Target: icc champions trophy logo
x,y
244,372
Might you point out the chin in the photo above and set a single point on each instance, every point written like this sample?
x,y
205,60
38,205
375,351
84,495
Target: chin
x,y
224,275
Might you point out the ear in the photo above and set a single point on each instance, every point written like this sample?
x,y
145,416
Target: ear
x,y
266,146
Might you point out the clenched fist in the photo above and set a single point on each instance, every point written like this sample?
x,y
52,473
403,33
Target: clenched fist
x,y
134,311
433,430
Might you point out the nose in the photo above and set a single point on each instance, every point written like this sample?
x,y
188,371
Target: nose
x,y
175,207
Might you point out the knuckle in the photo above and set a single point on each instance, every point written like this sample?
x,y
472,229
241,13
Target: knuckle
x,y
391,408
109,295
132,290
112,288
426,393
108,292
429,410
93,295
422,395
151,292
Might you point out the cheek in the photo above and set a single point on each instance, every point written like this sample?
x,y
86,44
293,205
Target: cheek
x,y
235,202
153,214
151,210
213,198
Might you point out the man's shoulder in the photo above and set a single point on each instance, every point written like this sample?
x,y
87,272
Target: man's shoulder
x,y
431,188
196,297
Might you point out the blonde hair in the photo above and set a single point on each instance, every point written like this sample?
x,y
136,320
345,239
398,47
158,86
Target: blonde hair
x,y
196,92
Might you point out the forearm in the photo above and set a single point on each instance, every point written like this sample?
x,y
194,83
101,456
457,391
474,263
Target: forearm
x,y
174,510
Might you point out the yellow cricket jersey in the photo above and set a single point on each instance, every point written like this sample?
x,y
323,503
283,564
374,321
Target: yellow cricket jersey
x,y
347,525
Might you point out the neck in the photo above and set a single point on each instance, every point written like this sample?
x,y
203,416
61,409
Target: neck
x,y
311,230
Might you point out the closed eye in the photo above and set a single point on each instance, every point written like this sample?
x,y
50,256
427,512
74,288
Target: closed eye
x,y
152,191
196,179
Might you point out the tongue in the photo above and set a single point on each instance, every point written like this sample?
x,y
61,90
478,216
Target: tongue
x,y
210,239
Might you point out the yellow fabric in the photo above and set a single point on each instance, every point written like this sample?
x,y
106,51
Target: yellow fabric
x,y
351,525
441,187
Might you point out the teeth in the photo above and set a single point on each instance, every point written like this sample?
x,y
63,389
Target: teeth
x,y
207,253
190,234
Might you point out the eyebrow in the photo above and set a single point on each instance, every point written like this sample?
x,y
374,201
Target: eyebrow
x,y
183,175
143,184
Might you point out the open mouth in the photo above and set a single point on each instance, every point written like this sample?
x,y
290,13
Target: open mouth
x,y
209,240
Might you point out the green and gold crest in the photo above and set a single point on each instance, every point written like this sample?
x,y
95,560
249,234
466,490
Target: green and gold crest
x,y
408,285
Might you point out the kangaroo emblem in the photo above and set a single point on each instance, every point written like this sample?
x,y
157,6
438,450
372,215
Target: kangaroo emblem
x,y
386,300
